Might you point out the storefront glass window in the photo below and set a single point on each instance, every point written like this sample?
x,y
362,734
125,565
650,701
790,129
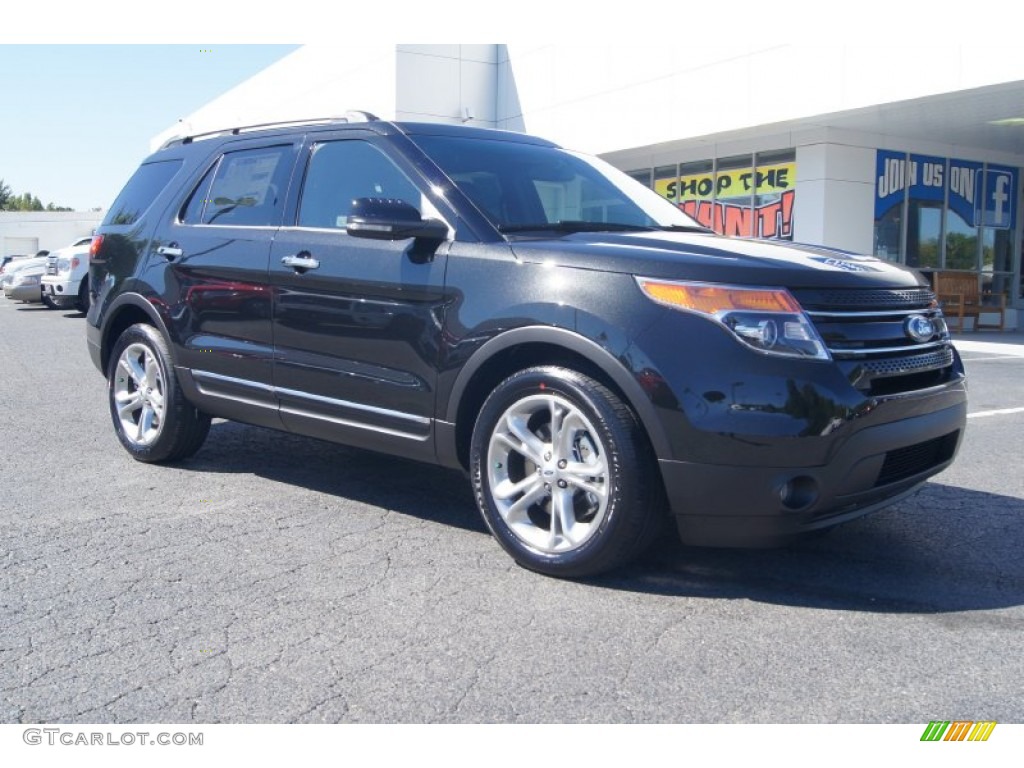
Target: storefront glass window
x,y
697,191
774,194
666,180
890,192
924,210
734,188
643,176
962,215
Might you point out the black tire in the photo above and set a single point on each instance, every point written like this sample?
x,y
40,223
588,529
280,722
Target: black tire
x,y
145,399
82,302
593,501
51,302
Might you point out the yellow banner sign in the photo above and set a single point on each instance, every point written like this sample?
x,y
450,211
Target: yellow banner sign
x,y
739,182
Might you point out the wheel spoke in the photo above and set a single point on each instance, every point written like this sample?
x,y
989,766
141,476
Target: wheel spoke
x,y
145,420
507,489
152,372
133,369
563,518
517,512
127,403
531,446
587,477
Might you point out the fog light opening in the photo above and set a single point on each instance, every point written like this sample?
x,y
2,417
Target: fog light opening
x,y
798,493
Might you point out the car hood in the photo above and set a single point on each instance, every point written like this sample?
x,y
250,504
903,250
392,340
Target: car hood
x,y
23,264
713,258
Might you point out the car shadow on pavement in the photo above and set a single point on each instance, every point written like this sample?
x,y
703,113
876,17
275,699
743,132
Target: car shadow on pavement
x,y
945,549
408,487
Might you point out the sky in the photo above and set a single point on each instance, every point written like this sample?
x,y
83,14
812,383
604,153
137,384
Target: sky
x,y
76,120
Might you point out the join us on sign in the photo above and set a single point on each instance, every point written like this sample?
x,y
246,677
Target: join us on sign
x,y
979,193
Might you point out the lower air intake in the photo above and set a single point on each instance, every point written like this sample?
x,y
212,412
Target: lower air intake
x,y
915,459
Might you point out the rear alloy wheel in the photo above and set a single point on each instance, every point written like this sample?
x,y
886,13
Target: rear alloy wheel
x,y
563,474
152,418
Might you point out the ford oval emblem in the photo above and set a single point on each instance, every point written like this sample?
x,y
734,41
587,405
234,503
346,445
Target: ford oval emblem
x,y
919,328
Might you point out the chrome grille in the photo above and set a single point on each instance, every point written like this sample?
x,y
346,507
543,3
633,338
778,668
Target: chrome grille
x,y
878,299
865,332
51,265
912,364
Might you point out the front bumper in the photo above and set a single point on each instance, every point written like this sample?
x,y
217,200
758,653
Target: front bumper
x,y
23,292
60,288
753,506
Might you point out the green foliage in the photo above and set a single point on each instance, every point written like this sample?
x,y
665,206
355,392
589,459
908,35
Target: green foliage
x,y
24,202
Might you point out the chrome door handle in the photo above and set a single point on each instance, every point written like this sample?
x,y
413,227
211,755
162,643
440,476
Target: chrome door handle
x,y
169,252
300,261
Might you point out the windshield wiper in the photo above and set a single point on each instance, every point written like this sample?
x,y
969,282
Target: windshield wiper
x,y
686,228
574,226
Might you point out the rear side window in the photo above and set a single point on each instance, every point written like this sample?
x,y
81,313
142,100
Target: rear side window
x,y
248,188
140,191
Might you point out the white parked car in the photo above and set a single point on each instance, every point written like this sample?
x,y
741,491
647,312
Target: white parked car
x,y
23,284
66,282
14,269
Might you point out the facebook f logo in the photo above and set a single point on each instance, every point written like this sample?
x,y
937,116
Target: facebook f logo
x,y
1000,197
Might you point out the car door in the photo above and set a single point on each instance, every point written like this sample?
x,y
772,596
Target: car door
x,y
356,321
214,255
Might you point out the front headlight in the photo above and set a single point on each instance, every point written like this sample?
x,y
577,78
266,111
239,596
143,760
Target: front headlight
x,y
63,265
768,320
27,279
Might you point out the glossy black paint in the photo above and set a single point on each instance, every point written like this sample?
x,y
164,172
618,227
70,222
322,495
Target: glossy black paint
x,y
392,347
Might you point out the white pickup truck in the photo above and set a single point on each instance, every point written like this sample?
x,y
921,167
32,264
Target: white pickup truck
x,y
66,281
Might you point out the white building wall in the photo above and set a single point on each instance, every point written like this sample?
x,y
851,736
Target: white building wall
x,y
835,196
447,84
602,99
52,229
313,81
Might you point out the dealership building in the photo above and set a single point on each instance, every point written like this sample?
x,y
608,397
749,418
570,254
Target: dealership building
x,y
913,154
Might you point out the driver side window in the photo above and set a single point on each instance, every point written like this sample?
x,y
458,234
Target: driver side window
x,y
342,171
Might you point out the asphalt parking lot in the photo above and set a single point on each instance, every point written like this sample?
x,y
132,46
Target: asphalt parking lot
x,y
281,579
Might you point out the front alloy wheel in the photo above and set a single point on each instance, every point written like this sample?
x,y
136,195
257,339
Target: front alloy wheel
x,y
547,473
564,475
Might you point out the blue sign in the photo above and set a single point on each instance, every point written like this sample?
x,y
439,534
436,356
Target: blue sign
x,y
927,178
890,180
965,190
980,196
1000,203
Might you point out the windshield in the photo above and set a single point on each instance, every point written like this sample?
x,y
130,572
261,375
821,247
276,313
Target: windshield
x,y
527,188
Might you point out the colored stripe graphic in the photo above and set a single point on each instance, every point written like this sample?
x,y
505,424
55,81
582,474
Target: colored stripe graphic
x,y
958,730
982,731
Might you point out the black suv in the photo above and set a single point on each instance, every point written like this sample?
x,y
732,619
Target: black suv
x,y
486,300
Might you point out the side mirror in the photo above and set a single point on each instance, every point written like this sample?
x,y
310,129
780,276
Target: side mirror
x,y
383,218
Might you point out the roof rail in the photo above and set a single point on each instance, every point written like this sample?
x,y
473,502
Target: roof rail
x,y
351,116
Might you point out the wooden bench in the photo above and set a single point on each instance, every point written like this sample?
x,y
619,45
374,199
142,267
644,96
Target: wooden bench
x,y
960,297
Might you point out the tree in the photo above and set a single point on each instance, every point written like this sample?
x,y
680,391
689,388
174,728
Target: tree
x,y
24,202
